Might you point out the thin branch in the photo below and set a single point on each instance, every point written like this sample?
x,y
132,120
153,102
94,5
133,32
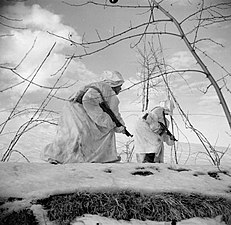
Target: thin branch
x,y
19,100
13,27
198,25
131,28
27,53
20,154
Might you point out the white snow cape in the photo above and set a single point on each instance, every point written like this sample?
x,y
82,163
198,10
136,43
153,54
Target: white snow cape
x,y
85,132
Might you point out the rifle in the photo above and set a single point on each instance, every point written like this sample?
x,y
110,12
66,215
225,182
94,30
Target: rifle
x,y
107,109
165,129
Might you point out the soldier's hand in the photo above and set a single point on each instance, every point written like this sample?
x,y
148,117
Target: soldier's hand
x,y
161,131
120,129
172,138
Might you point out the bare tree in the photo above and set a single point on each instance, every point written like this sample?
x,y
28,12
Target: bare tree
x,y
152,62
149,68
206,14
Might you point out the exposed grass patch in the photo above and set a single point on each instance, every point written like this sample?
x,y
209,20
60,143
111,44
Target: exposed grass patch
x,y
142,173
179,169
21,217
126,205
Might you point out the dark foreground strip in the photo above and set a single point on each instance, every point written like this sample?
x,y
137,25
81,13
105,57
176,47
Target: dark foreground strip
x,y
126,205
21,217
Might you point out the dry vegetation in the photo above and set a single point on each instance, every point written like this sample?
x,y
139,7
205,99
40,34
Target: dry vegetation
x,y
126,205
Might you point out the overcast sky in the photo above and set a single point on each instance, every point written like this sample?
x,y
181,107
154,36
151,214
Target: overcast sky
x,y
26,28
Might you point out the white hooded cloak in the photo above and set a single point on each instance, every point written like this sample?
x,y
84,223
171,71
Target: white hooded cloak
x,y
146,137
85,132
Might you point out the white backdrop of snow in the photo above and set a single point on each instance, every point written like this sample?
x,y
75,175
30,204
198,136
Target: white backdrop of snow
x,y
39,180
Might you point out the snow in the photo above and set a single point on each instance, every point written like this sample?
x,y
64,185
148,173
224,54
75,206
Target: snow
x,y
39,180
87,220
31,180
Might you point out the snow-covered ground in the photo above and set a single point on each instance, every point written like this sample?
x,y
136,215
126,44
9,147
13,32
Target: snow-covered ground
x,y
39,179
